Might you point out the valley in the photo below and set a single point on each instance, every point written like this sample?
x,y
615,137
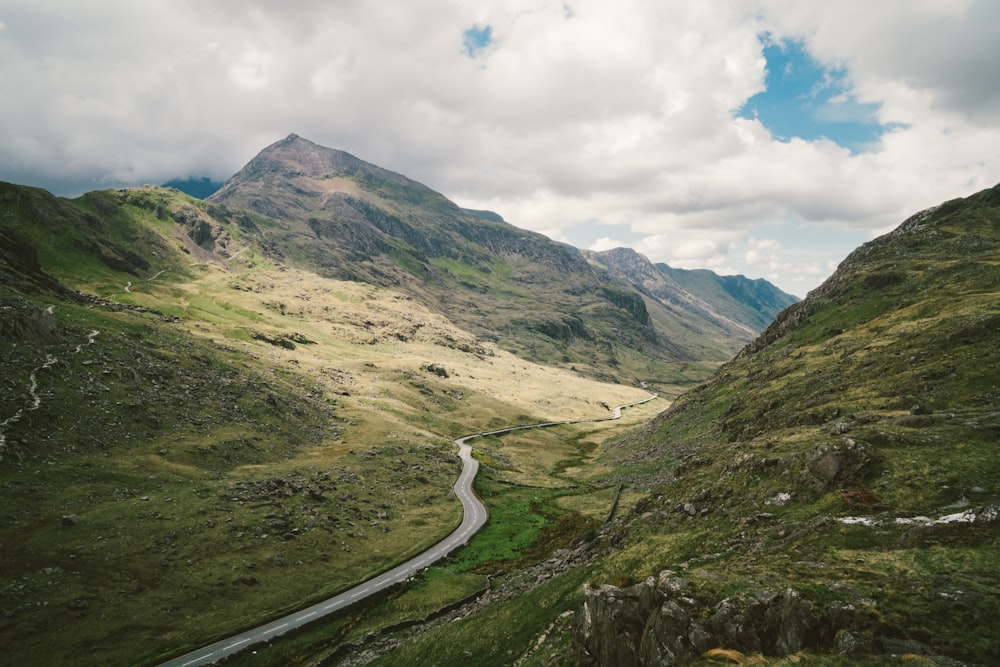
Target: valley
x,y
278,470
218,413
201,437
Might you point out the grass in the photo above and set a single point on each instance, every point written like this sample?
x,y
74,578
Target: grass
x,y
518,517
500,636
162,435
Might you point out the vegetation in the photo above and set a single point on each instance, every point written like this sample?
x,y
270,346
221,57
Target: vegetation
x,y
848,454
206,420
218,437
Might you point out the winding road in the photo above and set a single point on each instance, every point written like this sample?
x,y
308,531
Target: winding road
x,y
474,518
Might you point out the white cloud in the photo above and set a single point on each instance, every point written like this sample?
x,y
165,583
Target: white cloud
x,y
619,114
605,243
763,252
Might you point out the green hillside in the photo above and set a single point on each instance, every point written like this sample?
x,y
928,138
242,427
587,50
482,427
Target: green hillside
x,y
851,451
829,497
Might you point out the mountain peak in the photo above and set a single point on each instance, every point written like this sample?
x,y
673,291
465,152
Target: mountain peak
x,y
309,167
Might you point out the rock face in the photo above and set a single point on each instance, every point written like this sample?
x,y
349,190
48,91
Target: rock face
x,y
663,622
657,622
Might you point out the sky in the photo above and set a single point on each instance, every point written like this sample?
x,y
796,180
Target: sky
x,y
767,138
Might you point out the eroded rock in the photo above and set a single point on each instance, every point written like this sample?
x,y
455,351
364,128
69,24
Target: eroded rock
x,y
662,622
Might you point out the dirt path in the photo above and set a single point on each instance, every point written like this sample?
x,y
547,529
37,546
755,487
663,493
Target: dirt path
x,y
34,398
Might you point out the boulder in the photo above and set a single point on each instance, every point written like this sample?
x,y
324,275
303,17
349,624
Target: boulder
x,y
657,623
612,623
847,461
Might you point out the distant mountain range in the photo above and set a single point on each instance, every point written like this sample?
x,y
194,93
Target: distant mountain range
x,y
200,187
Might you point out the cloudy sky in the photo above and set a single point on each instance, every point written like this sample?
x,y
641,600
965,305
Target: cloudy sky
x,y
763,137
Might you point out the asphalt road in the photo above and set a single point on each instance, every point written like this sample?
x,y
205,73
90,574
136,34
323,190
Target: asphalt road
x,y
474,518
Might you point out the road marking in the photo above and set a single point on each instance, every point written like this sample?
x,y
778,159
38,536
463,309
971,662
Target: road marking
x,y
278,627
235,644
191,662
312,613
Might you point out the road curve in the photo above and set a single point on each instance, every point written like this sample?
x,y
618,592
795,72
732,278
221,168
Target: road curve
x,y
474,517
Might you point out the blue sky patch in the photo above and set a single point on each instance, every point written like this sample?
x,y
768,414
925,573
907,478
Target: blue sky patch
x,y
475,39
805,99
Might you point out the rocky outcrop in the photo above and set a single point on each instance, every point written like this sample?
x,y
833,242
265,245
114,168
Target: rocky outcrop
x,y
847,462
23,322
19,265
557,326
663,621
657,623
628,301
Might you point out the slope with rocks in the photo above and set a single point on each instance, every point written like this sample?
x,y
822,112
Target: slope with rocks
x,y
829,497
841,472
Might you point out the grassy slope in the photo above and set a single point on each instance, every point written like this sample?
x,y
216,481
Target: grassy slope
x,y
892,366
893,363
245,447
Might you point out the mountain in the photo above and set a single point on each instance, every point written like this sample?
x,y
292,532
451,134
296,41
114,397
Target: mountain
x,y
730,310
347,219
199,188
834,487
752,302
212,411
